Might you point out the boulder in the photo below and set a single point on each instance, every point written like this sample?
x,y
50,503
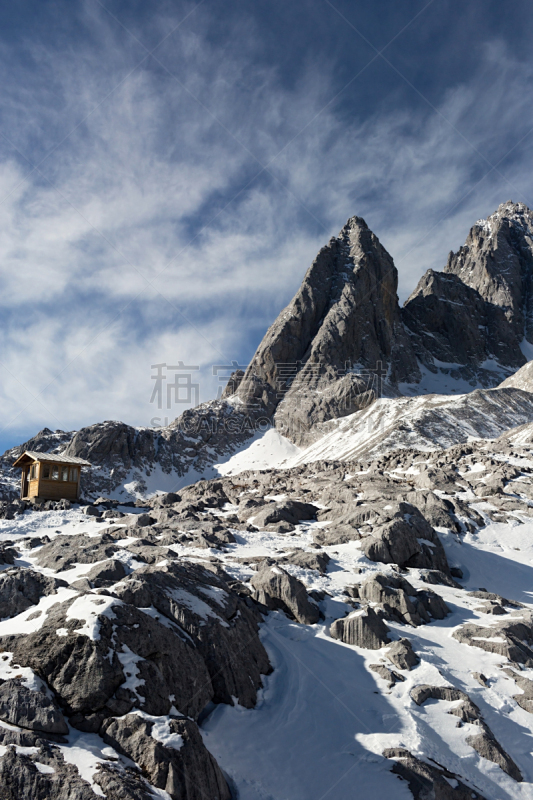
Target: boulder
x,y
407,540
391,676
277,590
214,618
402,655
42,776
21,588
91,646
511,638
107,573
483,742
171,753
29,709
429,781
362,628
64,552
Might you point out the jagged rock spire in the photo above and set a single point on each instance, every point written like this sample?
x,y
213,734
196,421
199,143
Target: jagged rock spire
x,y
343,320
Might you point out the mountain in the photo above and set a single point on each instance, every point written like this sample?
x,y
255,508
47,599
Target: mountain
x,y
344,338
473,323
341,344
423,423
319,358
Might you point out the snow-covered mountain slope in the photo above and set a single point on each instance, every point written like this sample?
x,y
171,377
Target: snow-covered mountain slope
x,y
394,657
522,379
421,423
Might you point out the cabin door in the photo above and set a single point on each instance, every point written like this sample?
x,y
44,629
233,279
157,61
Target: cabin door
x,y
25,483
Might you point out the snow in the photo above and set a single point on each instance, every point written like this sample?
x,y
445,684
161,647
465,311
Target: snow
x,y
85,751
527,349
130,664
161,731
267,449
300,742
88,608
196,605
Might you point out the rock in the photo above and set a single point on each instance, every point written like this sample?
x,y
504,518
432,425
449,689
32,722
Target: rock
x,y
122,783
30,709
438,578
91,511
172,754
408,540
524,700
507,638
65,551
486,745
21,778
277,590
362,628
497,599
289,511
7,555
437,511
484,742
142,520
21,588
301,558
455,572
424,692
112,513
102,643
391,676
429,781
399,601
333,320
107,573
402,655
219,623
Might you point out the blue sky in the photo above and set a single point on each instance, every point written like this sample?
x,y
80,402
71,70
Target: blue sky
x,y
168,170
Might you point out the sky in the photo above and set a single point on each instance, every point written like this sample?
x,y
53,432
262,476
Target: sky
x,y
169,170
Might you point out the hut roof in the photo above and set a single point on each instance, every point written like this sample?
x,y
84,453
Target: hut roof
x,y
53,458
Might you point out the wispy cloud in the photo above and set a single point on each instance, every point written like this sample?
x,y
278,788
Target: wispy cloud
x,y
166,226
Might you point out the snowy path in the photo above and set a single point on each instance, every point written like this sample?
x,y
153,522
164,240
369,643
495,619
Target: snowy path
x,y
300,742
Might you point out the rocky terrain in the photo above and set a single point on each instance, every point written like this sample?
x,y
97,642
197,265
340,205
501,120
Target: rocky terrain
x,y
318,585
184,648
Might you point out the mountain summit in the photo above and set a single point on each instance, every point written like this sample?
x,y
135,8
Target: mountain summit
x,y
344,337
318,359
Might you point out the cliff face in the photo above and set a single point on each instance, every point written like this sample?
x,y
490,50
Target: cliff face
x,y
476,316
342,334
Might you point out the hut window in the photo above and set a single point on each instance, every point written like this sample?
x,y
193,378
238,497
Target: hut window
x,y
73,474
46,471
33,470
64,473
55,473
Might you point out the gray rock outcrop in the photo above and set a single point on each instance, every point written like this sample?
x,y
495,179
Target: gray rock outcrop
x,y
184,768
21,588
29,709
278,590
429,781
363,628
483,742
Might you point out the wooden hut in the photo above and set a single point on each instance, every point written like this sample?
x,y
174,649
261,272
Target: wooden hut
x,y
49,477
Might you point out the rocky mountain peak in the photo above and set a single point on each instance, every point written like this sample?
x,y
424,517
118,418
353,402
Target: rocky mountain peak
x,y
343,321
497,261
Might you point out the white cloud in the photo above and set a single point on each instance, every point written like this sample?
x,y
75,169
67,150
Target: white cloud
x,y
147,239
